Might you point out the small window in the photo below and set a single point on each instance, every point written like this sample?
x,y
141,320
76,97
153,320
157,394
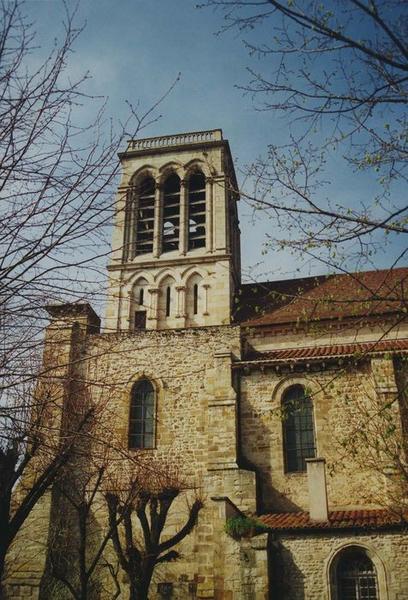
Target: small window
x,y
168,301
142,411
195,299
298,429
356,577
141,297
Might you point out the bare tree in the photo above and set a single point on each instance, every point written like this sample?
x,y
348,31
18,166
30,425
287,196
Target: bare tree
x,y
339,72
152,491
57,180
77,501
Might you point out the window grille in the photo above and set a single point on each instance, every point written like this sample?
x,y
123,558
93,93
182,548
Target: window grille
x,y
196,210
141,422
356,576
298,429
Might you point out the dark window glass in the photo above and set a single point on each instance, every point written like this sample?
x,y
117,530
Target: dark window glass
x,y
168,301
298,429
195,299
142,410
141,297
171,213
145,216
196,211
356,576
140,319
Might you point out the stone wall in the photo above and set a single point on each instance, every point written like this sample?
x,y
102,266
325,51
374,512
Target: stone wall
x,y
302,563
345,399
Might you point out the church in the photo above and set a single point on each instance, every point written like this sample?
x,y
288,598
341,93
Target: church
x,y
285,401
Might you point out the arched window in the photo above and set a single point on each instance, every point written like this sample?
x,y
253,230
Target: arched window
x,y
142,411
171,213
355,576
145,216
298,428
196,211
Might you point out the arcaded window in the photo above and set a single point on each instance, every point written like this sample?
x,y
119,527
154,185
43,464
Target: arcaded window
x,y
142,411
196,211
355,576
298,428
145,216
171,213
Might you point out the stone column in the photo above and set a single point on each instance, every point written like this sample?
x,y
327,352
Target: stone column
x,y
157,233
183,231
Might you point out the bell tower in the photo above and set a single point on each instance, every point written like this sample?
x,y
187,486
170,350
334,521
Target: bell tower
x,y
176,243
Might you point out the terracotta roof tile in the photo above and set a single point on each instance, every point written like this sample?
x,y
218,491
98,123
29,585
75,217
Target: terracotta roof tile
x,y
339,519
326,297
357,350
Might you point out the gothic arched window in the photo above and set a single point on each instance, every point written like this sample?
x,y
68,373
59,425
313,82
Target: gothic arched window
x,y
196,211
355,576
171,213
145,216
142,415
298,428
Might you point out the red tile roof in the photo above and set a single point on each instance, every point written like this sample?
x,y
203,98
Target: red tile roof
x,y
338,519
321,298
357,350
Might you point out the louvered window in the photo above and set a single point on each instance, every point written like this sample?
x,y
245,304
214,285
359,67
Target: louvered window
x,y
145,216
171,213
196,211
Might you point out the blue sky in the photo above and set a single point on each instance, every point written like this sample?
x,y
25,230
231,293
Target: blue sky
x,y
134,50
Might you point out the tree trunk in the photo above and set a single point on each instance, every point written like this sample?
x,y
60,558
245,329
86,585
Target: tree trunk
x,y
3,552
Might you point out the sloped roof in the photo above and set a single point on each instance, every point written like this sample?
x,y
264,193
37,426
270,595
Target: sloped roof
x,y
338,519
321,352
325,297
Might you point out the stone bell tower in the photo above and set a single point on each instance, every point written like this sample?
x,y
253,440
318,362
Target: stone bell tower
x,y
176,247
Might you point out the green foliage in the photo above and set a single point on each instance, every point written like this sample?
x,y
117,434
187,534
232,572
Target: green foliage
x,y
242,526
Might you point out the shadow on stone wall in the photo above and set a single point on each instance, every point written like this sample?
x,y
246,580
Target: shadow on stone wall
x,y
286,581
